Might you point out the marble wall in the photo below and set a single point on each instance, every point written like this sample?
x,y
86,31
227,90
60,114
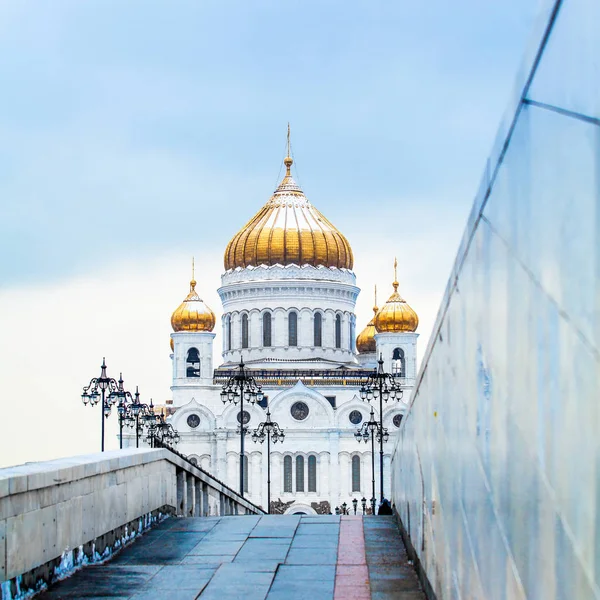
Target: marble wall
x,y
496,469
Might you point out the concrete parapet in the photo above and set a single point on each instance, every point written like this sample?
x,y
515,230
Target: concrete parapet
x,y
90,505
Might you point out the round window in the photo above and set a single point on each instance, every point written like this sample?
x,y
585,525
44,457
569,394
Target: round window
x,y
246,417
355,417
193,421
397,420
299,411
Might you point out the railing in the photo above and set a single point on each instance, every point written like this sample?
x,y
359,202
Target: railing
x,y
282,377
57,515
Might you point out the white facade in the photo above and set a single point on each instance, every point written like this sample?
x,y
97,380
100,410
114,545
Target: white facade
x,y
318,453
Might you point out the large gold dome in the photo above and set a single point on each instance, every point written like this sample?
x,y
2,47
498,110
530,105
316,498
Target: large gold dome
x,y
365,342
192,314
288,229
396,315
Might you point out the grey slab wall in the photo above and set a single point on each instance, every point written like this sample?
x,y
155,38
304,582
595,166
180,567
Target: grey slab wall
x,y
496,469
49,508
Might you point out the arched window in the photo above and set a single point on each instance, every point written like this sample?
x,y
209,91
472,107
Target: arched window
x,y
312,473
351,340
299,473
244,331
398,363
245,473
293,329
228,332
287,474
338,331
193,363
318,341
356,473
266,329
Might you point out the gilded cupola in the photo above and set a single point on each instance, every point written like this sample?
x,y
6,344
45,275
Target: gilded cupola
x,y
396,315
288,229
192,314
365,342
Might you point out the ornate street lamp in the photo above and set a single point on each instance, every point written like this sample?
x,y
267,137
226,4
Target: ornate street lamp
x,y
233,391
96,391
162,433
136,411
354,504
270,430
372,430
385,386
364,505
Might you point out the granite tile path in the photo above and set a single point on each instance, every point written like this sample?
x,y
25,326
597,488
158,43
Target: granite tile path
x,y
273,557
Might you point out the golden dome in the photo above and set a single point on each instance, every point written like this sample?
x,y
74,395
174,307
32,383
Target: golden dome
x,y
192,314
365,342
396,315
172,345
288,229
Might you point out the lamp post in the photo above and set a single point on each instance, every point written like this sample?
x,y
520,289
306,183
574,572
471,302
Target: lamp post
x,y
136,411
122,408
162,432
354,504
364,505
372,430
384,385
233,391
269,429
96,391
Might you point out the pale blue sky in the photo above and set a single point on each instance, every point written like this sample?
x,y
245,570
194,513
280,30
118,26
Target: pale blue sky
x,y
142,126
135,134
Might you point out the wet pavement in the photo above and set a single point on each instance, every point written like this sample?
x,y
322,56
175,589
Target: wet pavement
x,y
273,557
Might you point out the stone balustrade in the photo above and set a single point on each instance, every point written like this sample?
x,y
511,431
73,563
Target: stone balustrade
x,y
57,515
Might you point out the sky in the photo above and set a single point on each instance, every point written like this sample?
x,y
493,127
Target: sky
x,y
135,135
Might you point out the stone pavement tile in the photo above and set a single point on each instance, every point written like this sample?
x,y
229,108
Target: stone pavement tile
x,y
312,556
306,573
264,548
352,581
321,519
164,595
98,580
216,548
269,566
235,582
181,578
273,532
209,561
315,541
223,535
318,529
275,520
302,588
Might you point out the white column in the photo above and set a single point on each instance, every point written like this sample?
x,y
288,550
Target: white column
x,y
334,469
328,330
305,329
255,330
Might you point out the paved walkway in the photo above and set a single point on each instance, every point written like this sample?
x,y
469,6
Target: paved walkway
x,y
275,557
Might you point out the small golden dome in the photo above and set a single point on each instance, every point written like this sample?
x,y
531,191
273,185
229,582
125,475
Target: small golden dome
x,y
365,342
288,230
192,314
172,345
396,315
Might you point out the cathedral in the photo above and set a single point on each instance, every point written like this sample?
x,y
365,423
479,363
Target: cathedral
x,y
288,296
